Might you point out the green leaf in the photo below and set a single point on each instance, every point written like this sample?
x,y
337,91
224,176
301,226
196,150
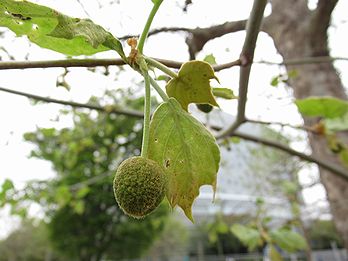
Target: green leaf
x,y
210,58
193,84
62,195
52,30
327,107
247,235
79,206
275,81
337,124
343,155
292,74
187,151
224,93
274,255
288,240
82,192
7,185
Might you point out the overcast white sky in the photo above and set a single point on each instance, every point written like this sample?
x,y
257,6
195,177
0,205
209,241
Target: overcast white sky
x,y
17,116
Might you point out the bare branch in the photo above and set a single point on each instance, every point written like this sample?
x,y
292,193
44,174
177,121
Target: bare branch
x,y
94,63
139,114
304,128
4,65
306,60
320,22
246,58
321,163
60,63
131,113
198,37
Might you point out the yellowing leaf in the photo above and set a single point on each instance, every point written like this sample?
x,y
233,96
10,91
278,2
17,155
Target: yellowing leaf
x,y
186,150
193,84
52,30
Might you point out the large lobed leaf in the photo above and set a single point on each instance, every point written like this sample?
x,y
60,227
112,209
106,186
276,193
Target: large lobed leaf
x,y
193,84
52,30
186,150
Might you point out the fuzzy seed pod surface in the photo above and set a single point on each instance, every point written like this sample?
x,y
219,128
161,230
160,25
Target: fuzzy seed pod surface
x,y
139,186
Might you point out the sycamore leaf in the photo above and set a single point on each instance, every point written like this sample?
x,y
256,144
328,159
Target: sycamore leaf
x,y
327,107
187,151
288,240
52,30
193,84
247,235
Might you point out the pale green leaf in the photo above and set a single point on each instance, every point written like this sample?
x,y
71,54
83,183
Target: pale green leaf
x,y
224,93
337,124
82,192
247,235
187,151
193,84
275,81
79,206
288,240
210,58
327,107
62,195
52,30
7,185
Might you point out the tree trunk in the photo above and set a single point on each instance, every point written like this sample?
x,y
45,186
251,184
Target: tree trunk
x,y
295,33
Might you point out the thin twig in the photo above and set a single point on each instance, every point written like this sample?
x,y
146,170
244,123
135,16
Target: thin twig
x,y
93,63
131,113
300,127
326,165
246,58
305,60
138,114
4,65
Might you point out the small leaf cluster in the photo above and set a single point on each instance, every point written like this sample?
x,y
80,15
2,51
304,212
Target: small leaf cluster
x,y
332,115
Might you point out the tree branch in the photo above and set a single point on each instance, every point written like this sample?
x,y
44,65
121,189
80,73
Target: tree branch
x,y
246,58
319,23
306,60
4,65
326,165
304,128
131,113
94,63
139,114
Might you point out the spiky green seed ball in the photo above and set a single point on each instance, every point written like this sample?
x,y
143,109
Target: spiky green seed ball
x,y
139,186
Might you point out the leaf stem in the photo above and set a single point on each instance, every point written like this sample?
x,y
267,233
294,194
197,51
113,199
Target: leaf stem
x,y
161,67
147,111
148,24
159,90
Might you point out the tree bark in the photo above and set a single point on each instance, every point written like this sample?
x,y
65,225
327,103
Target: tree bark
x,y
298,32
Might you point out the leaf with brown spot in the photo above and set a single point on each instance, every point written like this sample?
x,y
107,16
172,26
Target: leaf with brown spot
x,y
186,150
